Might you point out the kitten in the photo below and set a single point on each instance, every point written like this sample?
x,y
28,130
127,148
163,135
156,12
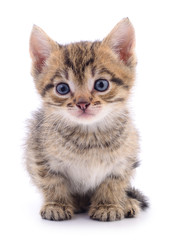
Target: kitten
x,y
82,146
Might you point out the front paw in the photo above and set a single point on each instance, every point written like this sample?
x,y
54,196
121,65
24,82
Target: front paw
x,y
56,212
108,212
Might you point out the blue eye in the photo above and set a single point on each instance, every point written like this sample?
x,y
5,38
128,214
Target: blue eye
x,y
101,85
62,88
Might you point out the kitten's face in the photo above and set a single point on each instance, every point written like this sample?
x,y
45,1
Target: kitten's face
x,y
83,82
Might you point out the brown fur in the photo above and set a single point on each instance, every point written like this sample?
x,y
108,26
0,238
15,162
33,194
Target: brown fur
x,y
59,149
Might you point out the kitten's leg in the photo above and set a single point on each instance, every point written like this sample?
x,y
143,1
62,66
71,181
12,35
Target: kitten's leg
x,y
58,201
108,201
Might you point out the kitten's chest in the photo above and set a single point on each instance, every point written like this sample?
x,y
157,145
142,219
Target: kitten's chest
x,y
86,173
85,177
87,159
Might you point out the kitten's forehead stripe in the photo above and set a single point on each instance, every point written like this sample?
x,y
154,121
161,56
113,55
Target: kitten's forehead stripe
x,y
78,57
93,70
67,60
66,74
90,61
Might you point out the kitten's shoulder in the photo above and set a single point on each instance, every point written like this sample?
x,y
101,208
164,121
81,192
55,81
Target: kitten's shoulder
x,y
37,118
34,127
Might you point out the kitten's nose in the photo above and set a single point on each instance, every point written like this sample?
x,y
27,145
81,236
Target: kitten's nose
x,y
83,105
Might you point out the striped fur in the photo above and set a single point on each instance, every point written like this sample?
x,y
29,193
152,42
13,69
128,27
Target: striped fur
x,y
84,164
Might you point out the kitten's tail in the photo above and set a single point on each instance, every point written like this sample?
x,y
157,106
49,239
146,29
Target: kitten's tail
x,y
136,194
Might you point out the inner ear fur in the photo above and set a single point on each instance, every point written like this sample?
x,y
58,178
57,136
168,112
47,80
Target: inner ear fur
x,y
41,46
121,40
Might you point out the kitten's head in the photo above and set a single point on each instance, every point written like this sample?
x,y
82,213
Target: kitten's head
x,y
85,82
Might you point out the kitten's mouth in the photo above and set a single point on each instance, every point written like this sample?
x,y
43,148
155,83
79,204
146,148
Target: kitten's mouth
x,y
85,114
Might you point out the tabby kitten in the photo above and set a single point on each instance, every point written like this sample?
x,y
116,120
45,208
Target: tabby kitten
x,y
82,146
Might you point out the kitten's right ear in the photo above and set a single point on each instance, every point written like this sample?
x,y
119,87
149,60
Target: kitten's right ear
x,y
40,48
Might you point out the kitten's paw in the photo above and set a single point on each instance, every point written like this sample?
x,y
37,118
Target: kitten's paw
x,y
56,212
132,208
108,212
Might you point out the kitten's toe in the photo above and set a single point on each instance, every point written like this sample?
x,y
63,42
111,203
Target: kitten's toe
x,y
132,208
56,212
106,212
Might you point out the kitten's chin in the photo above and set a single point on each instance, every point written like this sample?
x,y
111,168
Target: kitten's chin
x,y
85,119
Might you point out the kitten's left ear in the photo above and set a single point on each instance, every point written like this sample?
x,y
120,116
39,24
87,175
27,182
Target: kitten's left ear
x,y
122,41
41,47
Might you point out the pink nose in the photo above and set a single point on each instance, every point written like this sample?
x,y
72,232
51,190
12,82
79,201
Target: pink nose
x,y
83,105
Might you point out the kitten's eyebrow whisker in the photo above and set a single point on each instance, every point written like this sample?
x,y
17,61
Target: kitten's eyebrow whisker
x,y
93,70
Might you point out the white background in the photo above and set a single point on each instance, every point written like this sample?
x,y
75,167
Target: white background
x,y
68,21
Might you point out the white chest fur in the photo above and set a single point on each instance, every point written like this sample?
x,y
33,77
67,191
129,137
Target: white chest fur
x,y
87,173
84,178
